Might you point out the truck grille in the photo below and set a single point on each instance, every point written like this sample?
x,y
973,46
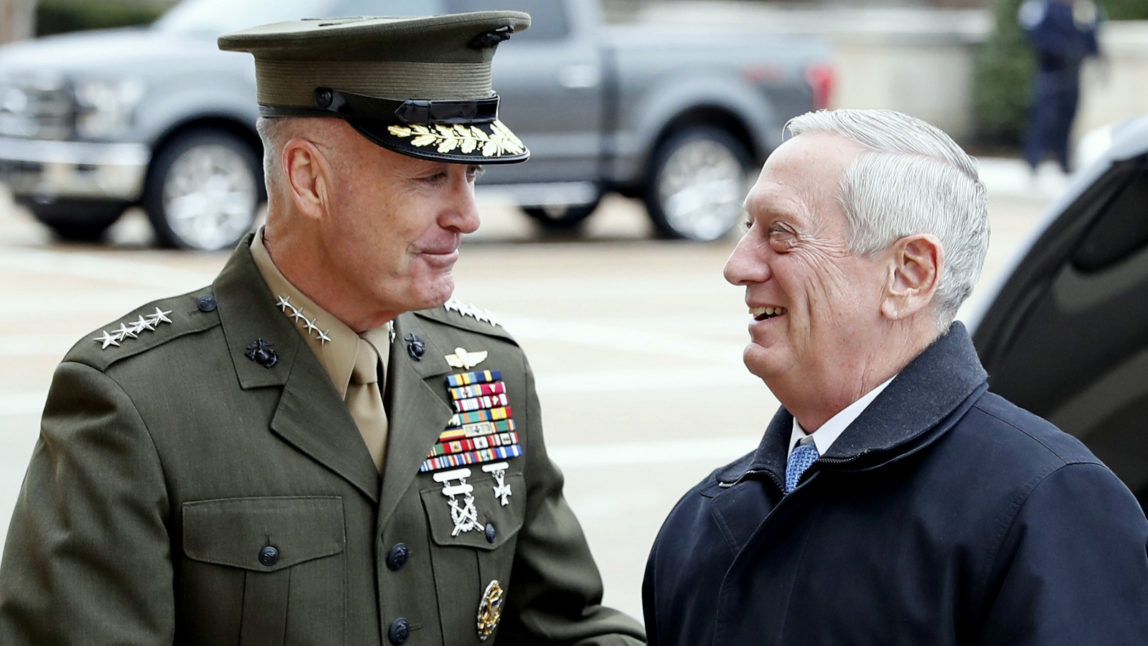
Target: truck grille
x,y
35,107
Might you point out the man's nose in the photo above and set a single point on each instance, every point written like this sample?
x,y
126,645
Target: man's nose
x,y
463,214
744,266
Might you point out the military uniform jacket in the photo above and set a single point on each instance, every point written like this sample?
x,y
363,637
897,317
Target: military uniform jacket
x,y
943,515
182,492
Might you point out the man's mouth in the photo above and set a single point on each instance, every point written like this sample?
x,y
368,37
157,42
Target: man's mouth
x,y
763,313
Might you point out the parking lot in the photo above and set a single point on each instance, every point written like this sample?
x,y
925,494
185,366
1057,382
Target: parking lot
x,y
636,345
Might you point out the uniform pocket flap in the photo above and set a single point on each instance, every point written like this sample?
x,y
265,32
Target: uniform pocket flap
x,y
263,534
495,524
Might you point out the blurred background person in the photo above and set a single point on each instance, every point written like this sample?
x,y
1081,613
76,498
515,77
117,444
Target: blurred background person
x,y
1063,34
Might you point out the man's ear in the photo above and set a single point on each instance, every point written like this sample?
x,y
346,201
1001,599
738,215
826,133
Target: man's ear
x,y
914,274
308,177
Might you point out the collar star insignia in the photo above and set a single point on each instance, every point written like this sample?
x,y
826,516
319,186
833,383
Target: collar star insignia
x,y
465,360
310,326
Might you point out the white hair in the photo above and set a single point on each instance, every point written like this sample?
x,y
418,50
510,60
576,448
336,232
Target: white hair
x,y
913,179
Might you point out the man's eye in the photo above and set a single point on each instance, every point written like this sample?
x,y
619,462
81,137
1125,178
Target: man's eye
x,y
782,239
474,172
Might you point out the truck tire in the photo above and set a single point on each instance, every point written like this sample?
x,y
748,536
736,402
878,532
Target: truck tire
x,y
204,190
77,221
698,180
560,218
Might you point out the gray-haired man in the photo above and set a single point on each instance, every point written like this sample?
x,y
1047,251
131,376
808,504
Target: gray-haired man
x,y
892,500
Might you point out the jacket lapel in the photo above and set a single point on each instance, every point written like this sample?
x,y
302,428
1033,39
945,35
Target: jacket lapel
x,y
310,416
421,414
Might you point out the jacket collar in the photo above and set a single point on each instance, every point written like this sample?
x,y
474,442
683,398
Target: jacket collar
x,y
310,413
920,404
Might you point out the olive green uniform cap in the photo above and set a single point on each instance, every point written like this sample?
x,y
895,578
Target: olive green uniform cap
x,y
417,86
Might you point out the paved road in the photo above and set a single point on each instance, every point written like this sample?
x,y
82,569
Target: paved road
x,y
636,345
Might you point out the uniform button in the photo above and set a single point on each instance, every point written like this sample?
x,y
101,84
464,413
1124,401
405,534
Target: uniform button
x,y
269,555
206,303
398,556
400,631
491,532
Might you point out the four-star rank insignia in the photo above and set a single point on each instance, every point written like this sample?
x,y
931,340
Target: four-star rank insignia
x,y
133,330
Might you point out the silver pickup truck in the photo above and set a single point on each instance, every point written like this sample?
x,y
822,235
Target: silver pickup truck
x,y
92,123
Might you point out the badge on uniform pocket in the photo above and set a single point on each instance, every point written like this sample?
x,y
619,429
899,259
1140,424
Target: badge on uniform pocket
x,y
490,610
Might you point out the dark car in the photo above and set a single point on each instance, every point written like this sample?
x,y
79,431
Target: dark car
x,y
1065,332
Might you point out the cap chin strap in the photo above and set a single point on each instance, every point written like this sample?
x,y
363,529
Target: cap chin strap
x,y
335,103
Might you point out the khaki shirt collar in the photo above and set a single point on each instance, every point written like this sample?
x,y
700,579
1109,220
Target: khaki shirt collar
x,y
333,342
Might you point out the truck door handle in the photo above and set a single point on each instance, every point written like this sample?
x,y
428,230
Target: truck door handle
x,y
579,77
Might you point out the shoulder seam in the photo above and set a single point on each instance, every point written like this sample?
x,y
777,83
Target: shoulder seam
x,y
1065,460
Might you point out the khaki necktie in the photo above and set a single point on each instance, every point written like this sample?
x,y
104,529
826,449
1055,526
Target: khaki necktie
x,y
365,401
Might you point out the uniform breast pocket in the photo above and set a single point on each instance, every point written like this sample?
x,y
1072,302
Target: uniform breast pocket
x,y
474,537
263,569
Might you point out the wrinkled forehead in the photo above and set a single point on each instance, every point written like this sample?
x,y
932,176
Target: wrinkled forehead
x,y
803,175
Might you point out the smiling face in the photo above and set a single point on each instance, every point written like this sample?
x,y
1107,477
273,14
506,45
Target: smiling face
x,y
381,231
816,328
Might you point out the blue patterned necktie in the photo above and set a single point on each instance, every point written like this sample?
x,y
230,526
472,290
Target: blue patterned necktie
x,y
803,455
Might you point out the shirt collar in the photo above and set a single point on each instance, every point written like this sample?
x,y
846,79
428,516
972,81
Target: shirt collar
x,y
824,437
333,342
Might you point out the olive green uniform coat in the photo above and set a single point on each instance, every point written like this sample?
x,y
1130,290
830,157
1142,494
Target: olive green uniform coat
x,y
167,464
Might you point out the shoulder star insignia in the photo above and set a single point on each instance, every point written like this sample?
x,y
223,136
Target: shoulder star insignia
x,y
160,316
466,309
126,331
465,360
142,324
284,303
324,336
107,340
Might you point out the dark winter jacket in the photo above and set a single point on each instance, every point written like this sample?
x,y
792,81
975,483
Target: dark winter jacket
x,y
942,515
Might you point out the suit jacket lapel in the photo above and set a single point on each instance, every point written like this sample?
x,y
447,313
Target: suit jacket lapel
x,y
419,410
310,414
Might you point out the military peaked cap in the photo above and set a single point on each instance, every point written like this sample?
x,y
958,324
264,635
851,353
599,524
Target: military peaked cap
x,y
417,86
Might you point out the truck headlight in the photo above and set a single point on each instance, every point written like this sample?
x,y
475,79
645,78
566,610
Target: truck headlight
x,y
105,107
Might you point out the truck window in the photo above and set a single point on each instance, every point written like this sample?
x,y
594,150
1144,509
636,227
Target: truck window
x,y
548,19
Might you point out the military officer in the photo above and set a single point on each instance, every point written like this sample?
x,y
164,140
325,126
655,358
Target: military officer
x,y
319,447
1063,35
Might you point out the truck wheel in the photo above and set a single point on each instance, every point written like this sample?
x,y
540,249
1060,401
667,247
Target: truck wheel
x,y
204,190
698,181
560,218
77,221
